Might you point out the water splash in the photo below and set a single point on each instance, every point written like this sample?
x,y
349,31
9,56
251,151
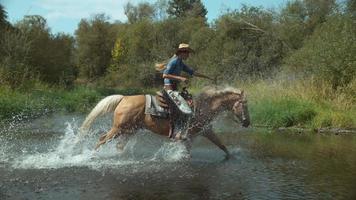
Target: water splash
x,y
69,151
172,152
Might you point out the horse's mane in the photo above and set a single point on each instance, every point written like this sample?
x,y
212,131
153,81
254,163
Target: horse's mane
x,y
218,90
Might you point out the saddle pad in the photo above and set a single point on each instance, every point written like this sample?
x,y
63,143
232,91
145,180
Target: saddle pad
x,y
153,108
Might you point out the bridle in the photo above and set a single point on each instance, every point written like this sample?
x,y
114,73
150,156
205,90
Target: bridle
x,y
243,102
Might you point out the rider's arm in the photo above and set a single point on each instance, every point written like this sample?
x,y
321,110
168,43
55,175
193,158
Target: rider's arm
x,y
202,76
169,71
191,72
174,77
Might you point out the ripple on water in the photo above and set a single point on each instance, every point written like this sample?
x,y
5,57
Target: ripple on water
x,y
265,166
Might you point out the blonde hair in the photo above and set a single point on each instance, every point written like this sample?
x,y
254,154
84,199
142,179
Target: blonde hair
x,y
160,67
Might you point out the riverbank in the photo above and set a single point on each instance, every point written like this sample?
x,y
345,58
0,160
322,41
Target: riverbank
x,y
271,104
39,101
300,104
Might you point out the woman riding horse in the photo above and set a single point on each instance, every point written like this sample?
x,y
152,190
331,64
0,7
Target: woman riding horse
x,y
129,115
172,77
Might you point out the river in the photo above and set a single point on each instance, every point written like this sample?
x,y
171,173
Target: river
x,y
41,160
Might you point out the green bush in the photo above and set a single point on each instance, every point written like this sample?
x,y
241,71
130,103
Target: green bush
x,y
329,54
78,100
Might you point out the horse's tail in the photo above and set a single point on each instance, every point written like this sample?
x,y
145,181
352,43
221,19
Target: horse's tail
x,y
108,104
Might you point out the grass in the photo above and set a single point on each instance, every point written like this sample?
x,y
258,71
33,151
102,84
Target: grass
x,y
283,112
41,99
299,104
271,103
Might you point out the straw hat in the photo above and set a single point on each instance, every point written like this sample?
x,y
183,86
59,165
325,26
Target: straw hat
x,y
184,47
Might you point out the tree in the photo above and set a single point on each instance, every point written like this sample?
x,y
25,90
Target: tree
x,y
161,7
49,56
329,54
3,24
62,67
3,18
184,8
15,52
245,45
35,29
140,12
317,12
292,27
351,7
95,39
117,52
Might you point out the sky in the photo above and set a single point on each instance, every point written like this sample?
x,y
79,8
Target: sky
x,y
64,15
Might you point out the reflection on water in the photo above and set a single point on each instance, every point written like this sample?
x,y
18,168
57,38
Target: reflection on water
x,y
44,160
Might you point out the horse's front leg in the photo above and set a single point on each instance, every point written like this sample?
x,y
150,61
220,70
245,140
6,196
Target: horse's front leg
x,y
210,135
107,136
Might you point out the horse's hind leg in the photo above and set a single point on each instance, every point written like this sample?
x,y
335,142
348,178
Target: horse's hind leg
x,y
107,136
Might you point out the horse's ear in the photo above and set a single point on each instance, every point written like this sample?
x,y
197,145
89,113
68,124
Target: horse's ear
x,y
243,95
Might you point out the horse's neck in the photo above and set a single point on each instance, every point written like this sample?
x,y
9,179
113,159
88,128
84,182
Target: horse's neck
x,y
207,108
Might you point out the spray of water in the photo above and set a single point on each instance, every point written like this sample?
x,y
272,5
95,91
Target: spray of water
x,y
69,151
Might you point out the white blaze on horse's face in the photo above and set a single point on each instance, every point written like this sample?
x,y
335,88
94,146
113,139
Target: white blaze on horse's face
x,y
241,111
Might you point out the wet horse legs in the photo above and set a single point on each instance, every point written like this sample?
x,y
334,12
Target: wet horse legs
x,y
107,136
210,135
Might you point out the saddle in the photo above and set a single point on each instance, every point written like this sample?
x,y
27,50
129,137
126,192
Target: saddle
x,y
156,104
177,108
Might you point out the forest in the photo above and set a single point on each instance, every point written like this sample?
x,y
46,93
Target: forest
x,y
296,63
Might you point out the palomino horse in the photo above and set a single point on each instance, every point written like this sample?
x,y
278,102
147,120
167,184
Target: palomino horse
x,y
129,115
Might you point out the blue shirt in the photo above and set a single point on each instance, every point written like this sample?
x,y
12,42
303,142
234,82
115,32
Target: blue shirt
x,y
175,66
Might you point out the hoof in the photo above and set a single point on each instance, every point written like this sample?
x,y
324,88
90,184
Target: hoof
x,y
97,147
180,137
228,156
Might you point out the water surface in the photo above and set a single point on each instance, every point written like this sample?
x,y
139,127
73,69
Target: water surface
x,y
41,160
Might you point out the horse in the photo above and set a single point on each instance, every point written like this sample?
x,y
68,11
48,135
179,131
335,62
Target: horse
x,y
129,116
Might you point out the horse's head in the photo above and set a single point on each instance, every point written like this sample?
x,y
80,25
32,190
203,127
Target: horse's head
x,y
240,109
230,99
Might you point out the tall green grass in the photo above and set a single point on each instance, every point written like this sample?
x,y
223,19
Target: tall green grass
x,y
40,99
299,103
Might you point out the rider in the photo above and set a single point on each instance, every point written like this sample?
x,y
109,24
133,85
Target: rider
x,y
172,77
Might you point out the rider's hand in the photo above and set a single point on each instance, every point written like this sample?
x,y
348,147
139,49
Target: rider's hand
x,y
184,80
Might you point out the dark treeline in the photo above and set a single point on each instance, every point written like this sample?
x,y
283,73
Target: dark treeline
x,y
305,38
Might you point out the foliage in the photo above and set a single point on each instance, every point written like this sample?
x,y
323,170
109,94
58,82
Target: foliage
x,y
140,12
3,19
298,103
292,27
329,54
41,100
351,7
241,45
117,53
29,51
186,8
15,48
317,12
95,38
